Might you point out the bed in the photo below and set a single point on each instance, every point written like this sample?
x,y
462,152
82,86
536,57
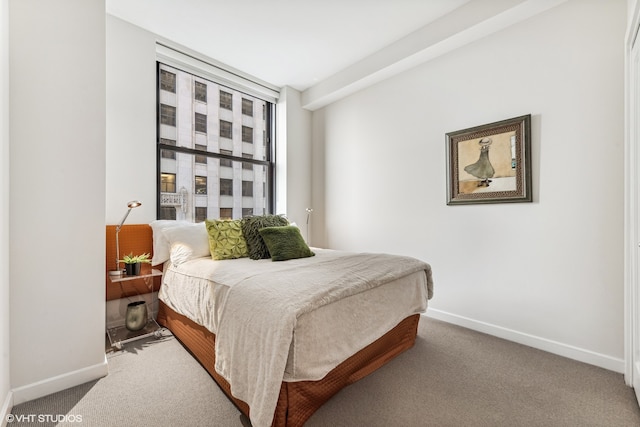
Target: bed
x,y
281,338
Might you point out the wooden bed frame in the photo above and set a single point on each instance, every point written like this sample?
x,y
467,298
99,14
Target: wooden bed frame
x,y
297,400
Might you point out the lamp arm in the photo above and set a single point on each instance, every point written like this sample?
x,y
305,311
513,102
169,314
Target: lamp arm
x,y
117,249
132,204
124,218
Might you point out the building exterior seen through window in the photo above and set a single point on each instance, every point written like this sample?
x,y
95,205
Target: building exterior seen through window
x,y
214,150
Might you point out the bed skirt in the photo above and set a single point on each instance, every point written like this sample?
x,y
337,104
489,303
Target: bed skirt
x,y
297,400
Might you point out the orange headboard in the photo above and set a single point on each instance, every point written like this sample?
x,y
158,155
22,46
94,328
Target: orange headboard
x,y
136,239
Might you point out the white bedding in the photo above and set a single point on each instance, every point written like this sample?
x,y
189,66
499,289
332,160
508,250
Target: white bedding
x,y
326,327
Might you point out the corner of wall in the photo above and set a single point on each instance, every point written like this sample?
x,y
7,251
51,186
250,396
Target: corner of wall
x,y
5,332
293,157
6,409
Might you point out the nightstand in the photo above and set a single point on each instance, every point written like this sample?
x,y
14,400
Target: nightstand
x,y
121,335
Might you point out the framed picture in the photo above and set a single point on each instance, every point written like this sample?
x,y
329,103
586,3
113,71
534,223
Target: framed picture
x,y
490,163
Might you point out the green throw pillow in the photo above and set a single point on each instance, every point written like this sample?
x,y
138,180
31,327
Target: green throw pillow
x,y
285,243
226,240
251,230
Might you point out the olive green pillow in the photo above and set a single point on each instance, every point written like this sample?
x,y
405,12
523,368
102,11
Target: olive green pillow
x,y
251,230
285,243
226,240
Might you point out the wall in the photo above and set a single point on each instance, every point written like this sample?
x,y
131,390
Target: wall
x,y
131,122
131,131
547,273
131,137
56,194
293,153
6,400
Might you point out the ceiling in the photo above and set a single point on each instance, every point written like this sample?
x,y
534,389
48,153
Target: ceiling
x,y
295,43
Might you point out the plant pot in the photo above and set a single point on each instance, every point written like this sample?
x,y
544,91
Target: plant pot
x,y
136,317
132,269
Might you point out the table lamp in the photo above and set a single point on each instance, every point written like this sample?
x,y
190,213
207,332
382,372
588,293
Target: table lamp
x,y
132,204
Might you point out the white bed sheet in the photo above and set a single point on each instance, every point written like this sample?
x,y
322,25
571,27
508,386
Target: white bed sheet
x,y
322,339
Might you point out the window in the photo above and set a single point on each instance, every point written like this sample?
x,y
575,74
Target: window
x,y
247,165
200,158
226,100
167,213
201,123
167,154
201,214
247,134
205,166
226,187
226,129
226,162
168,182
201,185
167,81
200,92
247,188
167,115
247,107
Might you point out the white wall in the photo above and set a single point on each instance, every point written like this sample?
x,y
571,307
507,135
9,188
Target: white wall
x,y
131,137
56,194
293,153
131,132
547,273
131,122
5,383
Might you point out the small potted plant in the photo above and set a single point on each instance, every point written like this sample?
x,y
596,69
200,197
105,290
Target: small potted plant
x,y
132,263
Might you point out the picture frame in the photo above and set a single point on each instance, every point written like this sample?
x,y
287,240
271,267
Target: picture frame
x,y
490,163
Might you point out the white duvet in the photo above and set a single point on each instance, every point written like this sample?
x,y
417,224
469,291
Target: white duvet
x,y
293,320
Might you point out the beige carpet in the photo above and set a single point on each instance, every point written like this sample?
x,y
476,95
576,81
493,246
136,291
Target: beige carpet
x,y
452,377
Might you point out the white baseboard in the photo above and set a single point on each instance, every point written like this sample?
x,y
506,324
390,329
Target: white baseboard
x,y
7,406
61,382
561,349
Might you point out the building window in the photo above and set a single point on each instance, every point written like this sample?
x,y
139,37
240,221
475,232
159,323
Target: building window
x,y
247,107
201,214
226,129
167,115
168,154
167,213
201,158
226,162
200,92
247,165
226,100
247,134
203,170
168,183
201,122
167,81
226,187
247,188
201,184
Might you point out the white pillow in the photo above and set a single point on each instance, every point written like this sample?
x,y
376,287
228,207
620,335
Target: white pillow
x,y
160,243
187,242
